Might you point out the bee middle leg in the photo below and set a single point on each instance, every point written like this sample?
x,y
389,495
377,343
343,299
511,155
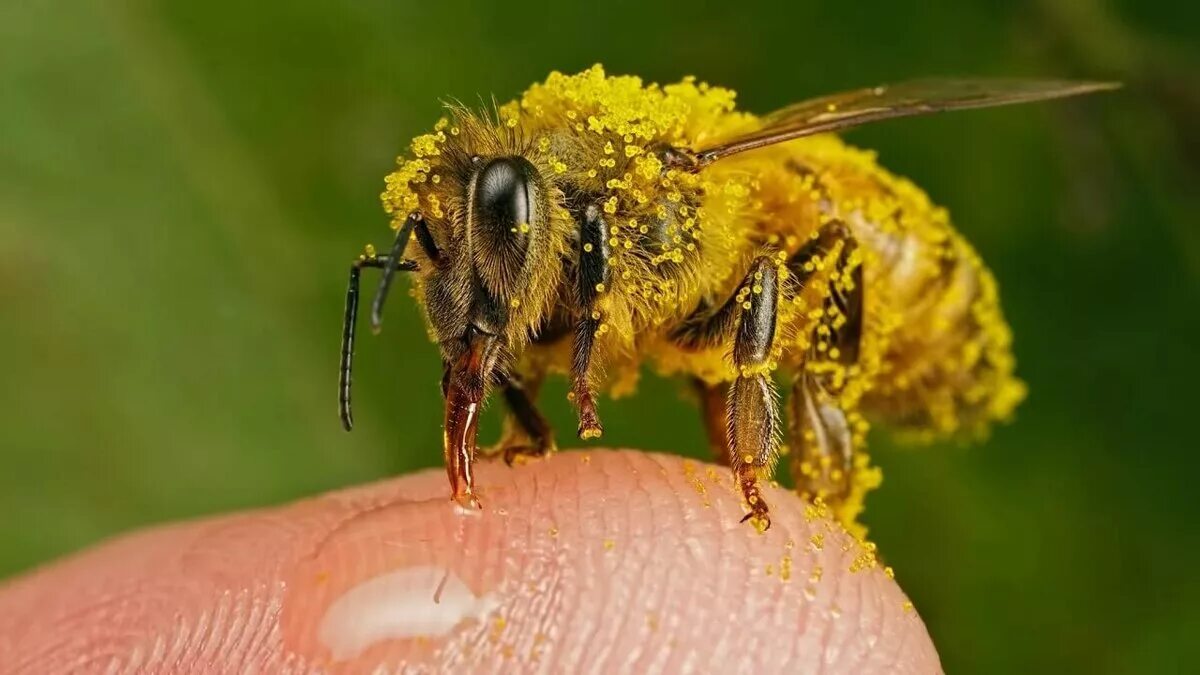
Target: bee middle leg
x,y
593,275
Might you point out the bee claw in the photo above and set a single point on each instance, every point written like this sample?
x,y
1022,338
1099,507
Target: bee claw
x,y
760,520
590,430
589,420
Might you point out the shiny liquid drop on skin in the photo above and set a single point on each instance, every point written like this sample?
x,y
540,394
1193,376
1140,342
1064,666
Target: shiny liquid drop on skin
x,y
423,601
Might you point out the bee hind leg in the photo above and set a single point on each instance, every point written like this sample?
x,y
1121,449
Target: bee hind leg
x,y
822,442
828,461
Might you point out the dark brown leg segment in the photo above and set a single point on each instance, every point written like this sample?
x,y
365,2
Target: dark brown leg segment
x,y
594,274
526,433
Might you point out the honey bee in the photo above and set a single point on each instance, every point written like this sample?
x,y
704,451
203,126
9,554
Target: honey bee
x,y
598,223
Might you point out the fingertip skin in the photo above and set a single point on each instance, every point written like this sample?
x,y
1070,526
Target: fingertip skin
x,y
606,561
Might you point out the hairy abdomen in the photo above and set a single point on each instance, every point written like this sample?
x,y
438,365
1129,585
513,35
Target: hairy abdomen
x,y
935,353
946,363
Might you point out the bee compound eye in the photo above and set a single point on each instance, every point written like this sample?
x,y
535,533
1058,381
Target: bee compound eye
x,y
505,199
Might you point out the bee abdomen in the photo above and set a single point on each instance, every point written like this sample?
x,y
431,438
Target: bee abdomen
x,y
948,366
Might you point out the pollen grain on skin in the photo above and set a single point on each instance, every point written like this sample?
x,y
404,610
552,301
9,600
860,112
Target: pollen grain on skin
x,y
785,568
866,558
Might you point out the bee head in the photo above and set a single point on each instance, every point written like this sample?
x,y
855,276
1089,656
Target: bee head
x,y
498,250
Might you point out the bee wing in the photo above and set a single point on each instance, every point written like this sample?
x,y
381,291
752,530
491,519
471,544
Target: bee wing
x,y
906,99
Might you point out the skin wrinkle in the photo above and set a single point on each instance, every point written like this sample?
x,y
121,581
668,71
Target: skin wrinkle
x,y
563,571
672,619
173,600
855,608
723,582
834,639
658,659
601,647
862,611
677,586
640,505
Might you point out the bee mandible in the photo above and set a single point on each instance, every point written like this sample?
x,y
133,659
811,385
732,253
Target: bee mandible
x,y
598,223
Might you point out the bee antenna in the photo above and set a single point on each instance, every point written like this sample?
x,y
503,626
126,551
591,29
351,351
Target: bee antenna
x,y
346,365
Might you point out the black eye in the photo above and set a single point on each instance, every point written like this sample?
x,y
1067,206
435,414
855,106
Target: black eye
x,y
504,197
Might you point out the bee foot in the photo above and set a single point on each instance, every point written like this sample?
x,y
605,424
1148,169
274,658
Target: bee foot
x,y
590,429
759,514
515,455
589,419
760,519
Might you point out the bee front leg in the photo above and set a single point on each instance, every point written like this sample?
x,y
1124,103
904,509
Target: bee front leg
x,y
753,415
526,433
593,278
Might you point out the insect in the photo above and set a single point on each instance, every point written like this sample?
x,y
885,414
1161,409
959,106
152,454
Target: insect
x,y
597,224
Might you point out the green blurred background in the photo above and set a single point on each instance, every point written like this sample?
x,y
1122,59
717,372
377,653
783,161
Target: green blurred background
x,y
182,185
